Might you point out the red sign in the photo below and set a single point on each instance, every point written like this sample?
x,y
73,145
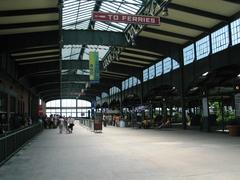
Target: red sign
x,y
125,18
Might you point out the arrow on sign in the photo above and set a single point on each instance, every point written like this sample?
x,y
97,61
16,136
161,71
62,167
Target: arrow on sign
x,y
100,16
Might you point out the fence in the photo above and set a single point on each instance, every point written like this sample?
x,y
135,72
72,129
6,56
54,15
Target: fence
x,y
11,143
86,122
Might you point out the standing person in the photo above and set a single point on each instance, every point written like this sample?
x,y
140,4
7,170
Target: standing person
x,y
66,124
61,124
71,124
104,120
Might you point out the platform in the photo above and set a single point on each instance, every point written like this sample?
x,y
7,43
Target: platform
x,y
126,154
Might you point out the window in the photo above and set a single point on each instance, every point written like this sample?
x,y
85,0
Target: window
x,y
134,81
175,64
54,103
145,75
203,47
123,87
167,65
188,54
126,84
220,39
152,72
40,102
70,108
98,98
104,95
159,68
110,91
69,103
83,103
235,31
130,82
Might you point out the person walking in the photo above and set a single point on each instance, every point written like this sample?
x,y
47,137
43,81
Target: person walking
x,y
71,124
61,124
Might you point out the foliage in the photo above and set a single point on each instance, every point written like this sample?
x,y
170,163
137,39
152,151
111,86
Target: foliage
x,y
228,115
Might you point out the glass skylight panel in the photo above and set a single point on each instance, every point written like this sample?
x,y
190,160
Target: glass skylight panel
x,y
131,9
83,25
65,53
68,27
70,11
120,25
70,52
102,50
75,53
76,11
111,28
120,6
82,71
67,2
71,7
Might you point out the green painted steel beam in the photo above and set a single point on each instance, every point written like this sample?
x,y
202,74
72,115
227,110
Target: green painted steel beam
x,y
93,37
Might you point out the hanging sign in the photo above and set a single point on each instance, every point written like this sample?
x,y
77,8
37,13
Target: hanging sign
x,y
125,18
94,67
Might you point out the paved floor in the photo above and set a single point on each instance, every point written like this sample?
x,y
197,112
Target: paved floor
x,y
126,154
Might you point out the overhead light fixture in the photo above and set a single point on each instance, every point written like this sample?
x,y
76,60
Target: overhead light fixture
x,y
205,74
238,75
165,11
194,89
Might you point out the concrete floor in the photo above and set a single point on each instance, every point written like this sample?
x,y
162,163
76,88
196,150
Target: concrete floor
x,y
126,154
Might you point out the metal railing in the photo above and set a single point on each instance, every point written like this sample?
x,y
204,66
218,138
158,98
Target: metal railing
x,y
87,123
11,143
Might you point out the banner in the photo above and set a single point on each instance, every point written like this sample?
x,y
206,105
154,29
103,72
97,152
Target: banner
x,y
94,67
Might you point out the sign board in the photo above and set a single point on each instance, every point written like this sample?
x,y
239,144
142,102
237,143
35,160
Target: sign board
x,y
125,18
94,67
237,104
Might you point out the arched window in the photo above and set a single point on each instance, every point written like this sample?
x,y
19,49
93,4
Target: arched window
x,y
69,107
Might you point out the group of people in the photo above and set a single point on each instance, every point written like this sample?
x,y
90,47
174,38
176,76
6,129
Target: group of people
x,y
50,122
62,122
66,123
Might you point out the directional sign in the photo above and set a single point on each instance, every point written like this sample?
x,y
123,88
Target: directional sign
x,y
125,18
